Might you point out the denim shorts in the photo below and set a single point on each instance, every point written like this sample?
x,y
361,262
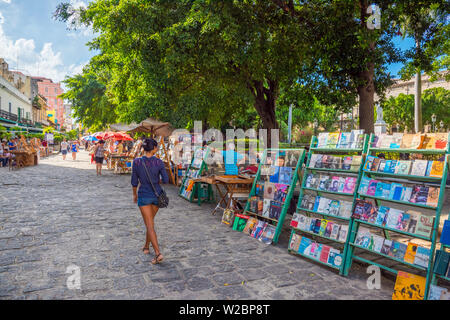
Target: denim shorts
x,y
147,201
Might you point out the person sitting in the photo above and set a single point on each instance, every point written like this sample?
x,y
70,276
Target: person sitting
x,y
4,154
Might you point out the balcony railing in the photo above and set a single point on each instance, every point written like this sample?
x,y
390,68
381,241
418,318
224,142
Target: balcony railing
x,y
8,115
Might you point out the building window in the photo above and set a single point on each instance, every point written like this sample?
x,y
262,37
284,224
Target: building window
x,y
46,90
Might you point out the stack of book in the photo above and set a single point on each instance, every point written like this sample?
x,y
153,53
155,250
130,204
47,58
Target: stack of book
x,y
331,183
410,221
418,194
316,251
428,141
321,227
258,229
424,168
341,140
319,161
318,204
438,293
410,253
187,188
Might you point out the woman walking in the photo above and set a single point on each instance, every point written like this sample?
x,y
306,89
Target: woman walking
x,y
145,168
64,146
74,147
99,155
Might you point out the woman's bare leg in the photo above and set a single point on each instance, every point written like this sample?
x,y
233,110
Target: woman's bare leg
x,y
149,213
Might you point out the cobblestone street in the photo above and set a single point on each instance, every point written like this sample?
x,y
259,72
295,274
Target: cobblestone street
x,y
59,214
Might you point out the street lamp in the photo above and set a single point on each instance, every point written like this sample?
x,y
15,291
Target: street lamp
x,y
441,124
433,120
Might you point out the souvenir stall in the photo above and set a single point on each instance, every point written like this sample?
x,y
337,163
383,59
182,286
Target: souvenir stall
x,y
25,155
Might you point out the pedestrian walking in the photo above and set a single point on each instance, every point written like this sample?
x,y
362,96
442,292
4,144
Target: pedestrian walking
x,y
146,174
64,146
74,147
99,155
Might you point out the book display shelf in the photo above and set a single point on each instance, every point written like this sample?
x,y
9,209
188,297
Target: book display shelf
x,y
441,267
271,194
401,194
188,187
320,227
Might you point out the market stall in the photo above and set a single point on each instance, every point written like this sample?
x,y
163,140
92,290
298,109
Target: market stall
x,y
25,155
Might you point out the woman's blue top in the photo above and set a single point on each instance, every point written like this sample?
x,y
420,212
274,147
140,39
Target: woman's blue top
x,y
155,168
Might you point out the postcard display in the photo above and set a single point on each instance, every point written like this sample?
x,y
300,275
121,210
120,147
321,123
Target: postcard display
x,y
441,267
387,180
271,194
188,188
332,171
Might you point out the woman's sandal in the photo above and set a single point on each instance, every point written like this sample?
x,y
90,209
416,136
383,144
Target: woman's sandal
x,y
146,249
156,260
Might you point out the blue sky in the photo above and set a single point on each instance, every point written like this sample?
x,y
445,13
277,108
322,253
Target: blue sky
x,y
44,47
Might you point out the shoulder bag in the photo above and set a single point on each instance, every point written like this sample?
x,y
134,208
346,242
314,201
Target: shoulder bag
x,y
163,200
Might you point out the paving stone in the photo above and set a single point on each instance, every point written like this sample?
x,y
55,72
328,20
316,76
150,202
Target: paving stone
x,y
228,278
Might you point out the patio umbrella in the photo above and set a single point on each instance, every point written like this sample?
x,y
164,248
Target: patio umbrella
x,y
154,127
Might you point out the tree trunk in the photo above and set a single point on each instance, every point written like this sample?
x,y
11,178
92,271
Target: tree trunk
x,y
366,101
418,96
265,102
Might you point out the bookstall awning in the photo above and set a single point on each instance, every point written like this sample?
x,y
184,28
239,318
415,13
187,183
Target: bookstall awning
x,y
154,127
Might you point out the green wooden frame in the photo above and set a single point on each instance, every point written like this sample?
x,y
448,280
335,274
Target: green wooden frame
x,y
312,150
280,221
413,179
186,177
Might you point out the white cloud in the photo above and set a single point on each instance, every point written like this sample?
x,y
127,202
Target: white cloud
x,y
81,30
30,60
7,1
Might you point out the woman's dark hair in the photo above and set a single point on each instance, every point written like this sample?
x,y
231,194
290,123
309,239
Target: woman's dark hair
x,y
101,142
149,144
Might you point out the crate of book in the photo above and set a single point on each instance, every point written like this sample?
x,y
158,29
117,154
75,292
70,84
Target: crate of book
x,y
272,189
440,283
188,185
320,226
399,199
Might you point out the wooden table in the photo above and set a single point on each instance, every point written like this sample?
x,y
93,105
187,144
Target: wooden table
x,y
235,186
119,163
22,159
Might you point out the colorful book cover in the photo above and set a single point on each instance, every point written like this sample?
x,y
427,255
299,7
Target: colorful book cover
x,y
407,140
445,235
410,253
387,244
334,207
308,180
422,257
414,217
335,258
344,140
323,227
341,184
317,203
335,231
398,250
382,165
347,163
312,225
396,140
382,214
240,222
318,163
377,243
396,191
345,210
268,234
266,208
324,182
363,237
295,220
295,242
379,190
403,167
228,216
261,206
285,175
334,185
419,167
369,162
441,262
324,205
333,138
358,211
313,160
417,141
350,184
305,246
356,163
390,167
394,218
403,226
437,169
257,231
433,197
436,292
406,194
419,195
259,190
441,140
428,171
425,225
322,140
328,229
275,210
386,190
375,164
280,192
409,286
364,185
251,223
316,249
343,231
317,225
325,253
269,190
372,188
